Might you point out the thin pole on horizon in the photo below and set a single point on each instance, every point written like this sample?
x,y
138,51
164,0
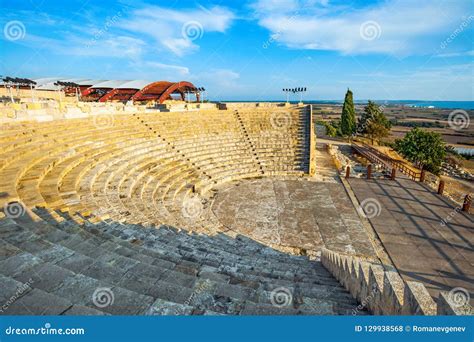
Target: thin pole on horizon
x,y
202,91
11,94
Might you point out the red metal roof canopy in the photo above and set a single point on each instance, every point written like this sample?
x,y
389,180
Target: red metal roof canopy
x,y
162,91
159,91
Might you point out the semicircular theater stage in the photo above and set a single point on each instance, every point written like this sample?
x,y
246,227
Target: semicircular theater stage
x,y
295,213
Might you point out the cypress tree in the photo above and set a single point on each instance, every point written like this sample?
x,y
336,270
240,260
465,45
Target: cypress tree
x,y
348,118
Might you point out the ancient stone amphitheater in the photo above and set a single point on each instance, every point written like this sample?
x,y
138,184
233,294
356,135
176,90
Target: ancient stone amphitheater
x,y
138,214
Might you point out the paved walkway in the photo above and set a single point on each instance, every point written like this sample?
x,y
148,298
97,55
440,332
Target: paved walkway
x,y
428,239
325,169
293,213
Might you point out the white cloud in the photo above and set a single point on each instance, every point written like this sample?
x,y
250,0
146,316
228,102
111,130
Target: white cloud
x,y
166,26
124,33
219,81
109,46
180,70
401,26
119,46
456,54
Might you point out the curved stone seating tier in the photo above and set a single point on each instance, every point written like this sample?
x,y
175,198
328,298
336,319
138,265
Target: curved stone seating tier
x,y
143,167
36,157
60,164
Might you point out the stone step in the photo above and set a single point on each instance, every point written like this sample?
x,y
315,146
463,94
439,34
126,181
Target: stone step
x,y
229,293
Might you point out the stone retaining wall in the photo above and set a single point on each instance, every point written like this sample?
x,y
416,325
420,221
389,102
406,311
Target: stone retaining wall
x,y
384,292
312,143
48,110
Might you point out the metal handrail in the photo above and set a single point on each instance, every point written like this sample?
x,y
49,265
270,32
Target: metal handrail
x,y
378,157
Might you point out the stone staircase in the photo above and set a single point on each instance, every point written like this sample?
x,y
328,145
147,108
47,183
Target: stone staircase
x,y
50,265
89,207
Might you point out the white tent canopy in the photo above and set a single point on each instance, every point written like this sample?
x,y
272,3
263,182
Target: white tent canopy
x,y
110,84
136,84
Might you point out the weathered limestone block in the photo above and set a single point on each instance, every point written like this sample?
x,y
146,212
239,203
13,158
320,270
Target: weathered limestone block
x,y
417,300
376,285
347,278
445,307
392,297
355,285
364,280
338,266
332,262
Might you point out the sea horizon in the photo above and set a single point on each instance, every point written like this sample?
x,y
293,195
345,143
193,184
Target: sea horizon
x,y
464,105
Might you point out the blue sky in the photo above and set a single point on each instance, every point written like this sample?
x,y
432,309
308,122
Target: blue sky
x,y
250,50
